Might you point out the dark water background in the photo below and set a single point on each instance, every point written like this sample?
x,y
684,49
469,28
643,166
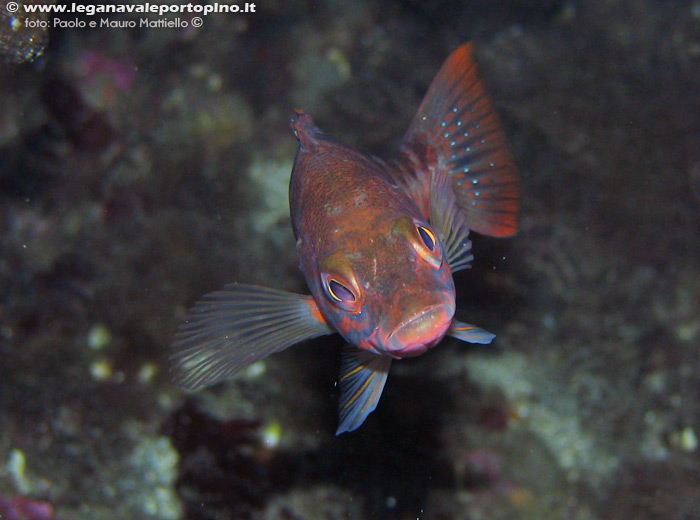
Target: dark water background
x,y
141,168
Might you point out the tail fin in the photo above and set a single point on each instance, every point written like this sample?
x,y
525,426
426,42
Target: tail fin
x,y
458,123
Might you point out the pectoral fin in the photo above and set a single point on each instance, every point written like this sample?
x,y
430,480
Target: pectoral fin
x,y
469,333
230,329
362,378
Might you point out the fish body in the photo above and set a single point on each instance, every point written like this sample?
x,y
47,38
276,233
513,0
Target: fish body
x,y
378,241
362,246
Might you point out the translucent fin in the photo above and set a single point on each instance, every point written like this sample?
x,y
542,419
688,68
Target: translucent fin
x,y
469,333
230,329
459,125
362,378
448,219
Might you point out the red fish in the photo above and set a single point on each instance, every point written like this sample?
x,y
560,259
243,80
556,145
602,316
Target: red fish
x,y
378,241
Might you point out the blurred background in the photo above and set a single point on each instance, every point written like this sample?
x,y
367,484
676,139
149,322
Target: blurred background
x,y
141,167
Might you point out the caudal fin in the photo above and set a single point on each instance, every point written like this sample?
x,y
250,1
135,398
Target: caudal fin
x,y
459,125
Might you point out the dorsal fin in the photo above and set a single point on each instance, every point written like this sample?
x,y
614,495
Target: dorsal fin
x,y
459,125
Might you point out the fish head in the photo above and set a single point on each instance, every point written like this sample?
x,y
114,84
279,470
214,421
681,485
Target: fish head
x,y
392,292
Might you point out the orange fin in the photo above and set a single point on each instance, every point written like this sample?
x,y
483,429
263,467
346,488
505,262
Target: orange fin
x,y
459,125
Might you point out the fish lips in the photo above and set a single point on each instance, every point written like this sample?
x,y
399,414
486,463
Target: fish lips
x,y
419,332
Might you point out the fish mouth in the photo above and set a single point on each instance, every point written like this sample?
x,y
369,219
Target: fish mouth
x,y
420,332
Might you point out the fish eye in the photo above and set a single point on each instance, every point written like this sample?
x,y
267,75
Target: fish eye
x,y
340,292
339,283
428,237
427,246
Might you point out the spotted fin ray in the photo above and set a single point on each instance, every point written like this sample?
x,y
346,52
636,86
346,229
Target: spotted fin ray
x,y
230,329
458,131
362,378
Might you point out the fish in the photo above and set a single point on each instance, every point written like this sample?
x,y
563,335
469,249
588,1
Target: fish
x,y
378,241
